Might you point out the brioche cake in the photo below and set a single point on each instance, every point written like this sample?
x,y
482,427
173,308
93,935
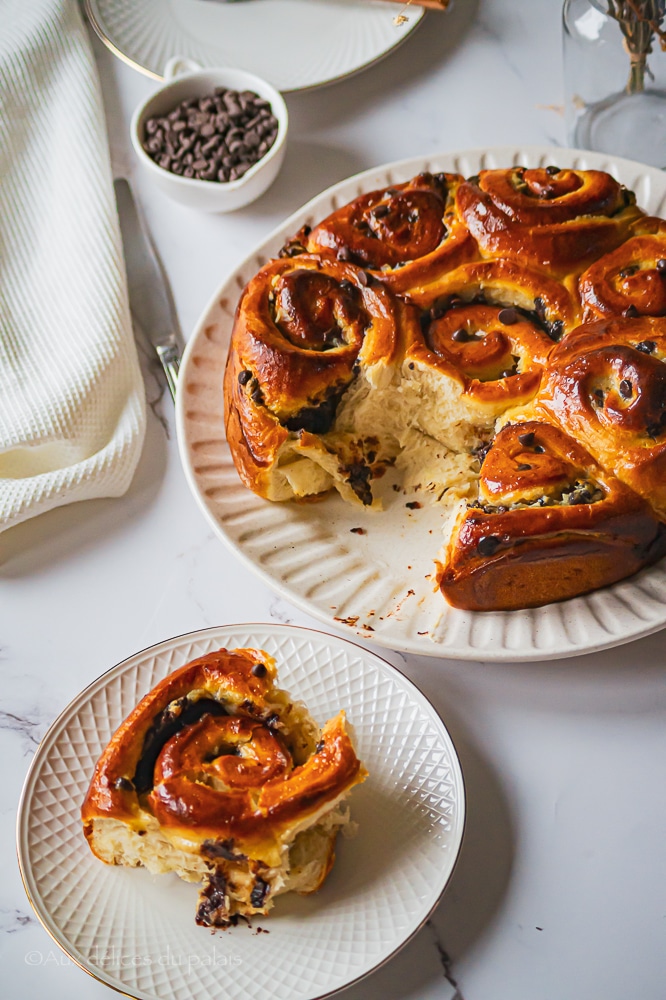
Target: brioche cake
x,y
220,776
497,341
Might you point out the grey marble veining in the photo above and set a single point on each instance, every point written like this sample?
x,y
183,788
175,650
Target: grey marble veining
x,y
558,892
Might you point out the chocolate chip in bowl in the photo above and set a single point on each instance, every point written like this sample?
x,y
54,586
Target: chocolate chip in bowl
x,y
212,139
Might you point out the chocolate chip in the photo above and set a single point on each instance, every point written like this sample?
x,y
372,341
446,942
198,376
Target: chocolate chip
x,y
654,430
244,376
507,316
527,439
599,396
259,670
413,505
540,307
320,746
646,346
523,467
222,849
488,545
552,170
242,123
123,785
661,265
631,312
259,892
257,397
461,336
539,449
626,388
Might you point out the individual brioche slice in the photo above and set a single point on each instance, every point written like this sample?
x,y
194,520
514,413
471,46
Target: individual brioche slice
x,y
550,523
219,776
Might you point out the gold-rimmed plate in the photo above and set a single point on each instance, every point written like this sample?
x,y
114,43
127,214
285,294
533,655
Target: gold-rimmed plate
x,y
379,584
136,932
294,44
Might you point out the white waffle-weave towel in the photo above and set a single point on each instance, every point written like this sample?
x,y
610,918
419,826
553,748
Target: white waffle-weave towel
x,y
72,410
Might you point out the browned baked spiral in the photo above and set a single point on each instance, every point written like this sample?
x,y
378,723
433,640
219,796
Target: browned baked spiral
x,y
630,281
403,234
549,524
217,771
495,323
302,326
606,386
556,219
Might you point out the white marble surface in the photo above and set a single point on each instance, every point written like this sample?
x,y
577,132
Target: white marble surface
x,y
560,888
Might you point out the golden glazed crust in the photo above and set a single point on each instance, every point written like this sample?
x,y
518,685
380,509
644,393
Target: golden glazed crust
x,y
170,758
442,310
550,524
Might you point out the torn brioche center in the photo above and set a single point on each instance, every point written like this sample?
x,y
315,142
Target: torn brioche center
x,y
219,776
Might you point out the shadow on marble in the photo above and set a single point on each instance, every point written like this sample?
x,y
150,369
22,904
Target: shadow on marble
x,y
426,967
432,43
58,534
626,678
309,168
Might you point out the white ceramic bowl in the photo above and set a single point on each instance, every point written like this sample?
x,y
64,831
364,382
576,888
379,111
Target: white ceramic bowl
x,y
211,196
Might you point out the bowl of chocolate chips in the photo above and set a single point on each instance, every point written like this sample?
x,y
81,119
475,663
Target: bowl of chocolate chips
x,y
212,139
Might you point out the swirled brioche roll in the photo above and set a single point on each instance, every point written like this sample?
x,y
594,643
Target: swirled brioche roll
x,y
404,234
303,329
606,386
487,330
219,776
549,523
629,281
555,219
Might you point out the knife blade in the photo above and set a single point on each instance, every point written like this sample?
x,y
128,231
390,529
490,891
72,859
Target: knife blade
x,y
151,302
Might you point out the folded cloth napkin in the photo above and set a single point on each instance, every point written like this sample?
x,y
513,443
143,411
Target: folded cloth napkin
x,y
72,410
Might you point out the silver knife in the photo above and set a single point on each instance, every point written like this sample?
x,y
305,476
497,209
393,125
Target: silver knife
x,y
151,302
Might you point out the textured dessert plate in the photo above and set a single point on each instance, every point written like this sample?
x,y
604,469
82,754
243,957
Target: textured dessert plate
x,y
294,44
136,932
379,584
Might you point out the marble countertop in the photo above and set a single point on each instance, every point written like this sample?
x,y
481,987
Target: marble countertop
x,y
560,888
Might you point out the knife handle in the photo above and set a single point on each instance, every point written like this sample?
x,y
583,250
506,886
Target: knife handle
x,y
171,365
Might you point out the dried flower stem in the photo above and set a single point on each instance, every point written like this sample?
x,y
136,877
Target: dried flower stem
x,y
640,21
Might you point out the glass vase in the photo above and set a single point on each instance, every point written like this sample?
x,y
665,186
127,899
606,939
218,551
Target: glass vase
x,y
615,78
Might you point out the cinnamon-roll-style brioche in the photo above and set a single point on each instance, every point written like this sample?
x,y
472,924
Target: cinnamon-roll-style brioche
x,y
549,523
219,776
304,327
403,234
606,386
556,219
631,280
405,330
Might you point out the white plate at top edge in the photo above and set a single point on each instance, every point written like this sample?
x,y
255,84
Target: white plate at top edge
x,y
294,44
308,554
136,932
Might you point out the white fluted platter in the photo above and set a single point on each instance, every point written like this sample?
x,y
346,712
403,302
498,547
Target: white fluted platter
x,y
294,44
379,584
136,932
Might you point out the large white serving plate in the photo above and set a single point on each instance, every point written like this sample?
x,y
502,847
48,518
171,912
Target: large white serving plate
x,y
136,932
379,584
294,44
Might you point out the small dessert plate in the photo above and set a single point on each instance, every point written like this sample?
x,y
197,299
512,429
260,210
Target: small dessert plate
x,y
136,932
